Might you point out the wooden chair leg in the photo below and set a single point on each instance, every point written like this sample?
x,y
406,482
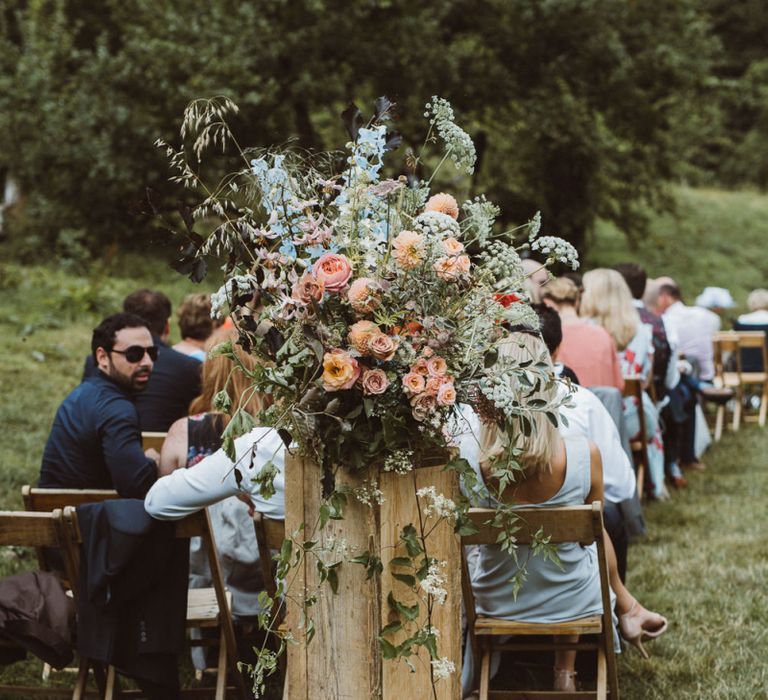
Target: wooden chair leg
x,y
763,406
737,412
221,668
602,687
485,673
82,679
719,420
111,691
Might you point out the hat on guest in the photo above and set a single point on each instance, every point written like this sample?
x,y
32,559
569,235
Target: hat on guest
x,y
715,298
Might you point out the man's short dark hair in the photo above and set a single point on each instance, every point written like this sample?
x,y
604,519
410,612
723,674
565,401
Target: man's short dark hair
x,y
153,307
635,277
551,326
104,334
672,290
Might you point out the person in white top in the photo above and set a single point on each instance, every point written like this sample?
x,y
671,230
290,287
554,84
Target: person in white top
x,y
757,303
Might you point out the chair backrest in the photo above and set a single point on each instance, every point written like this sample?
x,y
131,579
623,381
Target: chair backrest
x,y
269,536
39,530
582,524
152,440
726,354
37,499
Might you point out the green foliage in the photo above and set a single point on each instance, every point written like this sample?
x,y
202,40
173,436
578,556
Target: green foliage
x,y
575,105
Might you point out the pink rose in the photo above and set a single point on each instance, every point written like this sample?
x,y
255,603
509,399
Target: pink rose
x,y
433,384
452,247
362,295
449,269
420,367
308,289
444,203
381,346
436,366
413,383
334,271
446,394
374,382
340,370
359,334
422,405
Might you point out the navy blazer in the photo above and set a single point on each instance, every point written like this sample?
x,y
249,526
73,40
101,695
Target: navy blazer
x,y
174,382
95,442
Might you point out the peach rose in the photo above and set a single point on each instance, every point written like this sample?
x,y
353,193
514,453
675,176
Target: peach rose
x,y
308,289
413,383
340,370
450,269
446,394
453,247
444,203
381,346
374,382
362,295
422,405
420,367
359,333
436,366
334,271
433,384
407,249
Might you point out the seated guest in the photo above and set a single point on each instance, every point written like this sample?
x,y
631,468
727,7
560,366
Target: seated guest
x,y
755,320
555,472
195,324
586,416
551,328
175,380
608,301
587,348
95,442
665,372
714,301
536,277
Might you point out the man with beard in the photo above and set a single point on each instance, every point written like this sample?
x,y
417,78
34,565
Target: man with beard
x,y
95,441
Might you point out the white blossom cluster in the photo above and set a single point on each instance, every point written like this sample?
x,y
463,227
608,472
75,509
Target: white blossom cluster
x,y
437,505
557,250
437,224
534,226
502,260
337,548
457,141
399,462
479,217
434,582
369,493
442,668
221,299
499,389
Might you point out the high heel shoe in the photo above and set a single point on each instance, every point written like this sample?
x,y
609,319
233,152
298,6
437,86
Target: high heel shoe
x,y
640,624
564,680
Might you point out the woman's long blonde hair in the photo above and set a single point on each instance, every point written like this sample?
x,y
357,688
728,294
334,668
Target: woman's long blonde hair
x,y
607,299
540,447
220,372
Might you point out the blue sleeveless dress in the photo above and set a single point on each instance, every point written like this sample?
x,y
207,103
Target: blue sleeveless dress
x,y
550,593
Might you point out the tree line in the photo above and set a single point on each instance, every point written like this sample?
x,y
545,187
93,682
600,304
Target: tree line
x,y
584,109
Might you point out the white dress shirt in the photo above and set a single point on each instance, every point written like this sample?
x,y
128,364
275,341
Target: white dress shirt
x,y
186,491
692,328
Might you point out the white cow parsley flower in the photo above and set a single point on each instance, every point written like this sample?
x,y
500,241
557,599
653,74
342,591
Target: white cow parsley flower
x,y
442,668
557,250
434,582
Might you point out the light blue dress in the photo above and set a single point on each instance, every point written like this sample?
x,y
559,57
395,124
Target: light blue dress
x,y
550,593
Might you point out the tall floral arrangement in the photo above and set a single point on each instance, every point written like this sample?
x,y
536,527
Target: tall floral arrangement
x,y
374,304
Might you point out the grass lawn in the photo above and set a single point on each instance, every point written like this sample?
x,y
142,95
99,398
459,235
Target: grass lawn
x,y
705,562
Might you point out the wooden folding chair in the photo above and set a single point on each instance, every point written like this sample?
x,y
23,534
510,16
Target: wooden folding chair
x,y
152,440
269,537
633,388
206,607
582,524
727,360
39,530
754,341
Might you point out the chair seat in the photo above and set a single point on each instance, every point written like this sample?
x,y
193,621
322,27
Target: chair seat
x,y
203,608
494,626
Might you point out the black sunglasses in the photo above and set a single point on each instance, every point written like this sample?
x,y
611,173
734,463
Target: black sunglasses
x,y
135,353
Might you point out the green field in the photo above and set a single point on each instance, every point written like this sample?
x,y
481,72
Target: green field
x,y
704,563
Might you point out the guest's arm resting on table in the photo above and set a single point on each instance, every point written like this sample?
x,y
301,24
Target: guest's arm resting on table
x,y
186,491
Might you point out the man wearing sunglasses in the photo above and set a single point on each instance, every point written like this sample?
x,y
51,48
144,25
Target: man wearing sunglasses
x,y
95,441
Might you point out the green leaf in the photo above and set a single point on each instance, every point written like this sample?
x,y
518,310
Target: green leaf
x,y
388,650
401,561
407,579
410,538
392,627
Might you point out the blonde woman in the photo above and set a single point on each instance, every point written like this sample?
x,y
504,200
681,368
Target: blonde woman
x,y
556,472
607,300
